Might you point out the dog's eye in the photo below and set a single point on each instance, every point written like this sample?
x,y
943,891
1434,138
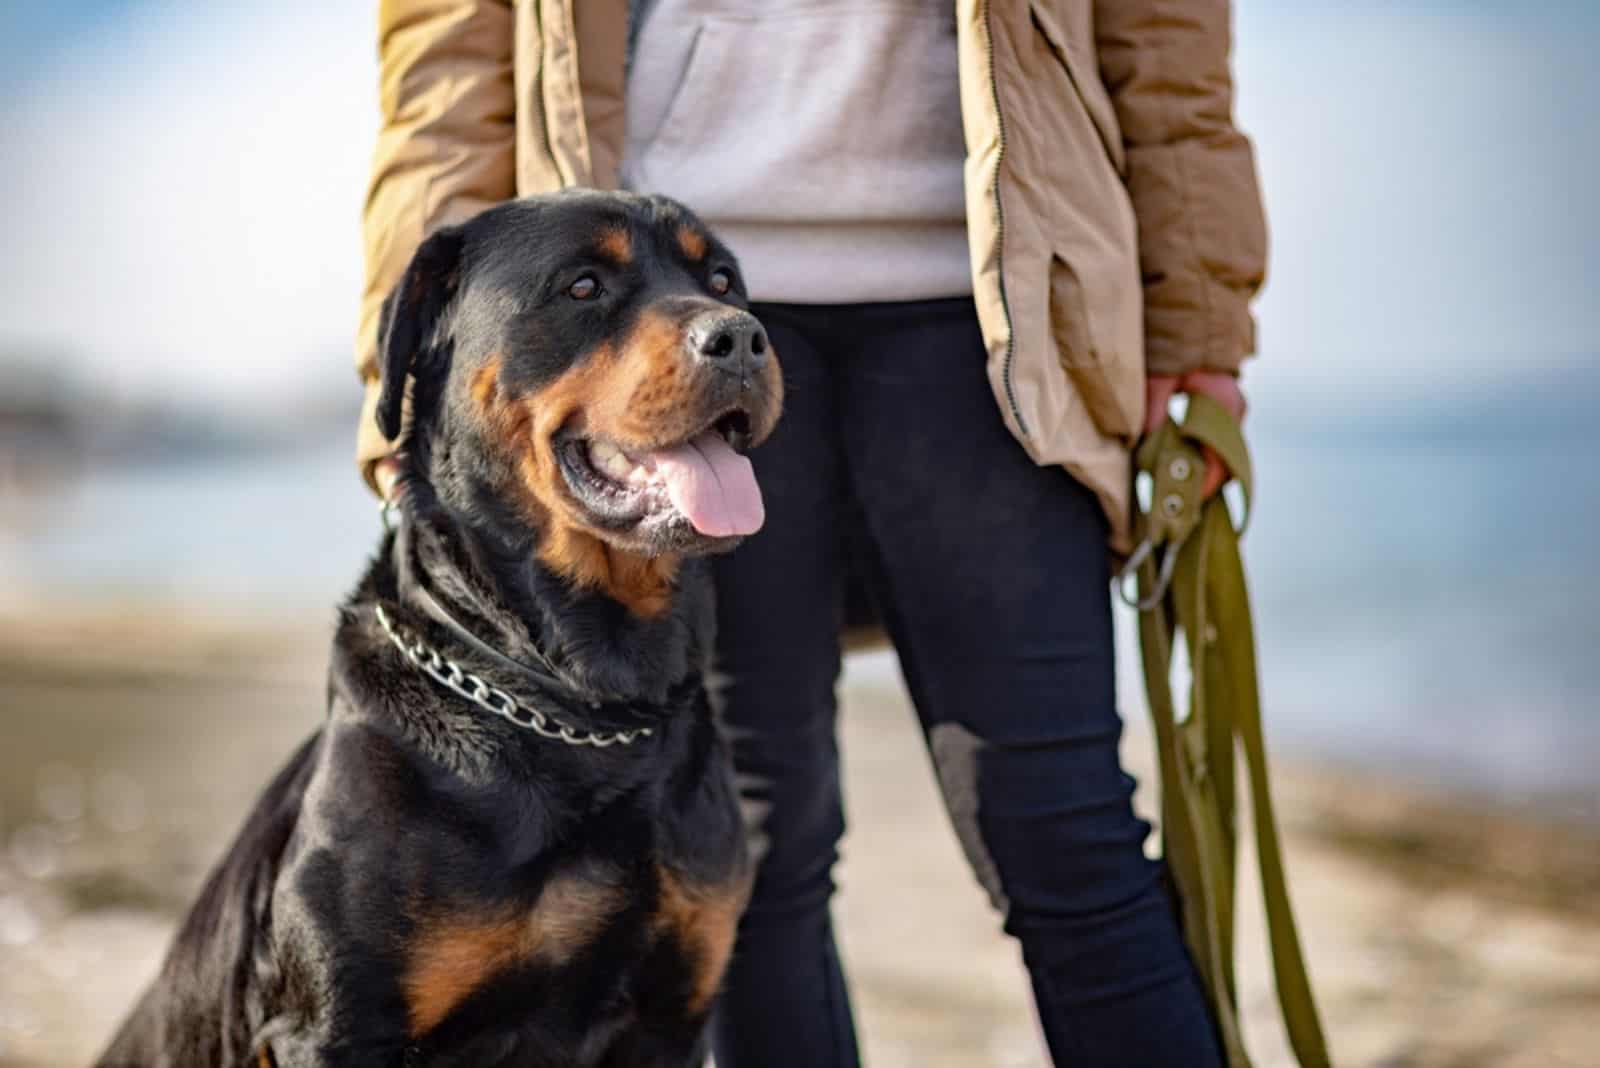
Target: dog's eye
x,y
721,281
586,287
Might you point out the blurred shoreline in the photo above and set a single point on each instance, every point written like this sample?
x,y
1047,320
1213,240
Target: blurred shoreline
x,y
1456,830
1420,568
1438,924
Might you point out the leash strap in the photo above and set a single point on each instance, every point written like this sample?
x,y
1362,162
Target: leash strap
x,y
545,675
1191,582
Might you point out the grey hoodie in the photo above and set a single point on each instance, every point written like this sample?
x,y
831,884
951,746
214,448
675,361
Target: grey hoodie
x,y
822,139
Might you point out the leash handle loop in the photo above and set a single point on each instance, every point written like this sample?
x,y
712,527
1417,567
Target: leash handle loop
x,y
1198,589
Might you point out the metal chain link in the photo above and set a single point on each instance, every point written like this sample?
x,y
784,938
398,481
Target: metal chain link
x,y
454,677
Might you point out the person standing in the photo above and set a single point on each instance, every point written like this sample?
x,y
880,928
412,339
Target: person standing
x,y
990,239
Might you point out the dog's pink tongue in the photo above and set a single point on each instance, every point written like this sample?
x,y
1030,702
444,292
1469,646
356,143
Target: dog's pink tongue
x,y
713,486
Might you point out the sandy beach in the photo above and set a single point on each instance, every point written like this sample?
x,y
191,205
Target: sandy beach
x,y
1442,932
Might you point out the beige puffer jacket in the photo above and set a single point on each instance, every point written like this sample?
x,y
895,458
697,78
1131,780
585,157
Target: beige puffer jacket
x,y
1112,205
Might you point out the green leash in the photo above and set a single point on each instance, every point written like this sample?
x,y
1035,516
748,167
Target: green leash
x,y
1191,580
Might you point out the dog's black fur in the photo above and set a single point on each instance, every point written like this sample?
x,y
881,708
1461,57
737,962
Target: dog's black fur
x,y
425,883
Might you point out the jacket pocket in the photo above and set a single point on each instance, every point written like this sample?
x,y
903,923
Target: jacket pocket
x,y
1110,383
1083,72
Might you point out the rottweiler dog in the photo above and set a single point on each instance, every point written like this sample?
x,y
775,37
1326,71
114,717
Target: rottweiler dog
x,y
514,840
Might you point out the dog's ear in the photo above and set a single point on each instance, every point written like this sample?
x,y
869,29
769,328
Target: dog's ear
x,y
408,341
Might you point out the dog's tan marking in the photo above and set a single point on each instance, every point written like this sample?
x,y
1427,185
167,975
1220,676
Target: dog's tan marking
x,y
654,376
632,394
450,961
691,241
704,920
641,584
451,958
486,384
640,392
508,423
617,245
594,398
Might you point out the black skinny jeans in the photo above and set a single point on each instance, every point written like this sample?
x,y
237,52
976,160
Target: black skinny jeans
x,y
991,574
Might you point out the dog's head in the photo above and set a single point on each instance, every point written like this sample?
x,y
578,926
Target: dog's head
x,y
588,358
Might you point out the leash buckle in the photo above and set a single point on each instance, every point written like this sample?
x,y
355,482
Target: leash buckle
x,y
1144,551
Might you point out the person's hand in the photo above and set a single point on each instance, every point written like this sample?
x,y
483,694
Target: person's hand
x,y
1219,386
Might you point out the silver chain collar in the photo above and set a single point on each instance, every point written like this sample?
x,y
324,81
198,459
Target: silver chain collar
x,y
453,676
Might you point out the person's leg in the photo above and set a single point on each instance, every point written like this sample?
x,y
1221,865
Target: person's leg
x,y
784,1000
993,577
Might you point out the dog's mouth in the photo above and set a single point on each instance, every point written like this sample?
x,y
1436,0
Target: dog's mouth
x,y
704,482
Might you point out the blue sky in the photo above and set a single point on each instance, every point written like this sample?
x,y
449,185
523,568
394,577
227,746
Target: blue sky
x,y
182,182
1430,173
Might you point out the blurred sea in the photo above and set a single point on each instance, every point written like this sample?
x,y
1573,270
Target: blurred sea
x,y
1425,596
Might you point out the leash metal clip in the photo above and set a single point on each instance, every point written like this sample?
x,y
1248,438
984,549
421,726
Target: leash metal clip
x,y
1143,552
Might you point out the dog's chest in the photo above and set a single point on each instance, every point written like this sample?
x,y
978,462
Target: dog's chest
x,y
634,933
592,964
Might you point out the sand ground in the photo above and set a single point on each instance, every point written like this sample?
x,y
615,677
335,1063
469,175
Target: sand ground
x,y
1441,933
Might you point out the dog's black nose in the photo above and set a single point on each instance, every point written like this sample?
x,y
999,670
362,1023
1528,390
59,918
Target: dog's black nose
x,y
737,340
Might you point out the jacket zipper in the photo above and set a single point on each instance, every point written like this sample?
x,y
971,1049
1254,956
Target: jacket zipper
x,y
1000,224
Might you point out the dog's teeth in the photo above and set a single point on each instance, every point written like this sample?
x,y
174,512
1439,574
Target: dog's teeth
x,y
608,458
